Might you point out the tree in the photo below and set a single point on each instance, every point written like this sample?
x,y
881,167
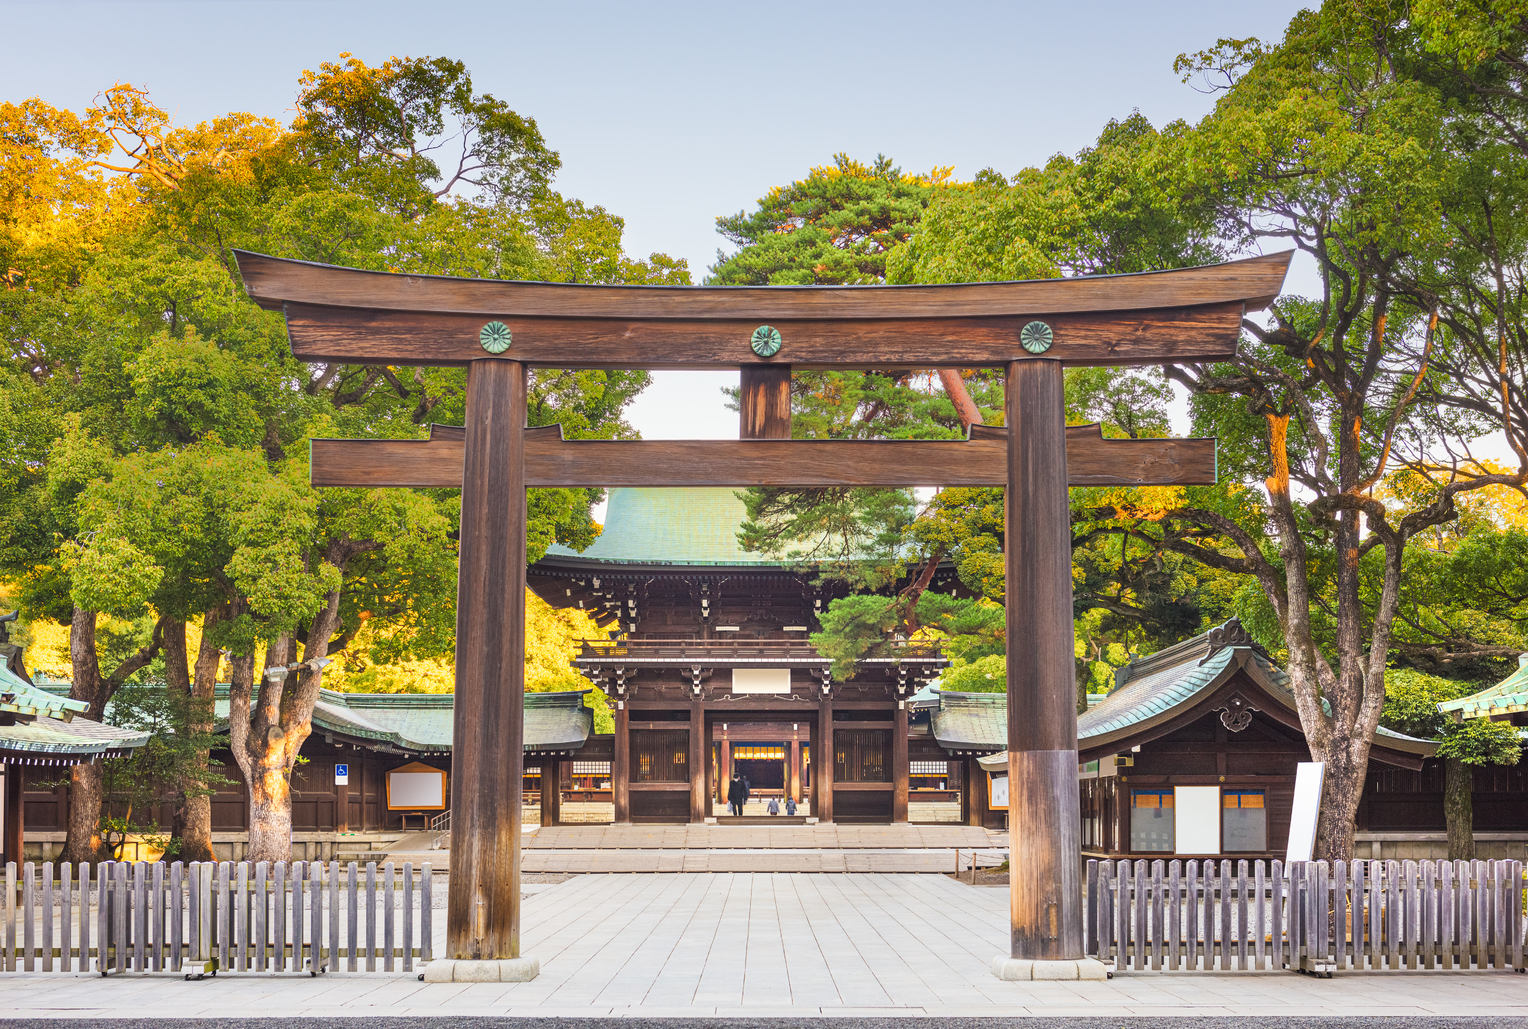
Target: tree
x,y
1325,142
1092,213
832,228
189,415
162,770
1411,707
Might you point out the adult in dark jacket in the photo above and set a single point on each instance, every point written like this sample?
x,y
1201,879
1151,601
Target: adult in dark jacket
x,y
736,794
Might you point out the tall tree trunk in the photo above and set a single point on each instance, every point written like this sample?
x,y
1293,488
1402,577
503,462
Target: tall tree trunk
x,y
267,729
195,801
955,389
82,841
177,681
1342,787
260,746
1459,809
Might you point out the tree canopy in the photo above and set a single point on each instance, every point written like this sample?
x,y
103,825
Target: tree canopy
x,y
153,423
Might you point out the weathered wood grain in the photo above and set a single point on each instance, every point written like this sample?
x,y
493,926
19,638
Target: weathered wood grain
x,y
1044,834
764,401
272,281
483,900
1130,337
550,461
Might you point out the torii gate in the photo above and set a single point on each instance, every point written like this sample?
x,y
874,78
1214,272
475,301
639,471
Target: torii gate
x,y
500,329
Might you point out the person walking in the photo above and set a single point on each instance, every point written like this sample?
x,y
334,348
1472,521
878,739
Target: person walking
x,y
736,794
774,806
790,805
747,791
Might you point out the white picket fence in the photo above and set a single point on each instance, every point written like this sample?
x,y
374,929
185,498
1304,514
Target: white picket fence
x,y
206,916
1179,916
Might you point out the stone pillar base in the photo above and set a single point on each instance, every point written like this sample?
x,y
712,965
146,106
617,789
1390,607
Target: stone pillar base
x,y
508,970
1023,970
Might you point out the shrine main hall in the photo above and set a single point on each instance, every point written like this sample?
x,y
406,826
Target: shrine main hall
x,y
709,673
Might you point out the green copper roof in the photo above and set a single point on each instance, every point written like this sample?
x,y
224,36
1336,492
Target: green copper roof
x,y
669,526
1146,690
20,697
1506,697
422,722
971,721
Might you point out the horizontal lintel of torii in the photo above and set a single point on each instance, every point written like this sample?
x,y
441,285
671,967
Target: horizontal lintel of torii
x,y
550,460
360,317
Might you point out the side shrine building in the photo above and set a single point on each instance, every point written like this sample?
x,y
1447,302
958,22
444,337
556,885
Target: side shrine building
x,y
712,673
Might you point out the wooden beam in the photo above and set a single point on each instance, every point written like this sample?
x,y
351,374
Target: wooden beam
x,y
764,401
1091,460
273,281
326,333
483,898
1044,820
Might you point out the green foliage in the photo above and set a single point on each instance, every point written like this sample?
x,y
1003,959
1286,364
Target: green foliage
x,y
169,764
834,227
1411,707
1113,208
153,423
380,131
1478,741
984,675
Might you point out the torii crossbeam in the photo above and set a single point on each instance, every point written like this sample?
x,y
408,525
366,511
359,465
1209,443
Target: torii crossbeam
x,y
497,330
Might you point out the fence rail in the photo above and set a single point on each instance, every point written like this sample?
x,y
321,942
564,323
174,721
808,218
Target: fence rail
x,y
117,917
1314,917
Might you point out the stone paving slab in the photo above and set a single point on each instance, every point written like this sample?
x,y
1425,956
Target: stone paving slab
x,y
758,860
776,945
832,836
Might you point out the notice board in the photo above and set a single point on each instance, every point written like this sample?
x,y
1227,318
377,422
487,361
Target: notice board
x,y
417,787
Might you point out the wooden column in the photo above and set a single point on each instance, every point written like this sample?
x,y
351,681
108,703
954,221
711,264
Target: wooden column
x,y
794,783
976,792
899,769
711,771
822,763
725,772
1044,820
551,790
483,901
15,814
698,761
620,765
342,807
764,401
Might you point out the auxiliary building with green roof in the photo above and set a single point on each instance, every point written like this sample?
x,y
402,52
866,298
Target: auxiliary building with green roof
x,y
40,733
1193,753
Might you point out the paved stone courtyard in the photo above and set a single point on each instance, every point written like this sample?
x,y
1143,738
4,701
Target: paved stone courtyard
x,y
765,945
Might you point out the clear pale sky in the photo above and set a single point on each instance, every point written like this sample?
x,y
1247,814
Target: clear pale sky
x,y
672,114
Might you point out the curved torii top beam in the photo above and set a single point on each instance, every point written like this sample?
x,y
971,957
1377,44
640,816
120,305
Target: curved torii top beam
x,y
365,317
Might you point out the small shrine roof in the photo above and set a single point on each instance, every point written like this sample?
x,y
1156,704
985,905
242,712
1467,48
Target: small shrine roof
x,y
1507,697
423,722
47,728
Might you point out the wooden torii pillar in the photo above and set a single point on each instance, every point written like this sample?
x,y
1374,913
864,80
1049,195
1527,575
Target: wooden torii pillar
x,y
498,330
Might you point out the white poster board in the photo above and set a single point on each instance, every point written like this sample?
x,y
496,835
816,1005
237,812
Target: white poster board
x,y
416,787
761,680
1302,821
1197,817
997,796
